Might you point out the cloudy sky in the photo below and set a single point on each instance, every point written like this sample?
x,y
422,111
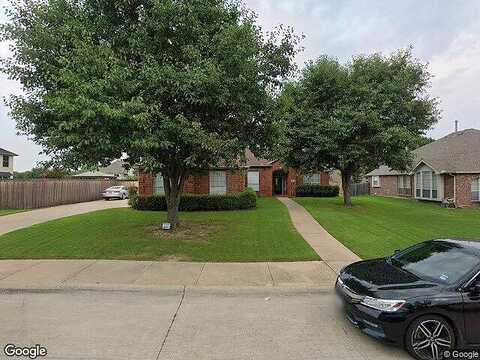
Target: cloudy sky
x,y
444,33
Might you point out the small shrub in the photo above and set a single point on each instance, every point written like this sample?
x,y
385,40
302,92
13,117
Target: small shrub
x,y
317,191
132,195
191,202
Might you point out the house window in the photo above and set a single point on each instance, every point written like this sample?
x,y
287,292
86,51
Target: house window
x,y
313,179
254,180
418,182
218,182
426,185
375,181
476,190
158,187
403,185
6,161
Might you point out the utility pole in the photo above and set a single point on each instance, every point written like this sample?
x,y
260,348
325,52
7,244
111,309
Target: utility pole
x,y
456,125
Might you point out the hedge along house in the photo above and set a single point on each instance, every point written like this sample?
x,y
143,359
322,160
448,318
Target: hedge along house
x,y
266,177
448,168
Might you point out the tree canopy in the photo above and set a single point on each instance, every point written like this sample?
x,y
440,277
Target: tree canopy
x,y
176,84
356,115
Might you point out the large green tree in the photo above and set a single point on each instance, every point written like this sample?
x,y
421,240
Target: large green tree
x,y
356,115
178,85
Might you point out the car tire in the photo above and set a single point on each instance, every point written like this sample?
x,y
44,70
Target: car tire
x,y
123,197
428,337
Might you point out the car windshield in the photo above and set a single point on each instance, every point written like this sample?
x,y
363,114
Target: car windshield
x,y
115,188
441,262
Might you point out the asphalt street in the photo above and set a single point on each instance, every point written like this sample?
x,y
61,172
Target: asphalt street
x,y
185,323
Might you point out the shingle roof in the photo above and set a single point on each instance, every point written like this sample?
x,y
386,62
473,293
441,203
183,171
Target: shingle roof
x,y
6,152
458,152
250,161
94,174
385,170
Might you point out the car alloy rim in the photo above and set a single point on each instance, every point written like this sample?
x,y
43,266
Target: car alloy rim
x,y
430,339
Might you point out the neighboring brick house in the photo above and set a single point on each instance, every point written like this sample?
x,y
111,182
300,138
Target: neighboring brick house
x,y
448,168
266,177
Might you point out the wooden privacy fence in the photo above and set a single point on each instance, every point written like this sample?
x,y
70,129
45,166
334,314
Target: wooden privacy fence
x,y
360,189
49,192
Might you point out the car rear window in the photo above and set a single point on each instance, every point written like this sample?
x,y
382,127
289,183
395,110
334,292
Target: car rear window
x,y
438,261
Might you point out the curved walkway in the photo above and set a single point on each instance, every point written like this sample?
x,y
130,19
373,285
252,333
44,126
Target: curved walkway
x,y
28,218
332,251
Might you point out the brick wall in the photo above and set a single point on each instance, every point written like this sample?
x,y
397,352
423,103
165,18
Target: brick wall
x,y
448,186
266,181
236,181
145,184
463,194
189,186
202,183
388,186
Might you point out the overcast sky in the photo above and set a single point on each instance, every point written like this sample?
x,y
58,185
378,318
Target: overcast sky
x,y
446,34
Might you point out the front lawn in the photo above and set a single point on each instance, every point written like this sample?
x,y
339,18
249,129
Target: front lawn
x,y
262,234
376,226
9,211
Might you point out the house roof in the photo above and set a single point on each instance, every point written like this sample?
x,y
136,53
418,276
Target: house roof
x,y
250,161
253,161
458,152
6,152
116,167
111,171
94,174
385,170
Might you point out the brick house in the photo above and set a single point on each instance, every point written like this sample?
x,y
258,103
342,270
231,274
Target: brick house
x,y
448,168
266,177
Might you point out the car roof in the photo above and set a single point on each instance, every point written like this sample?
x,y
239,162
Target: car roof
x,y
469,244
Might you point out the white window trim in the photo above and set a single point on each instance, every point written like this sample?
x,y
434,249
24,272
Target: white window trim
x,y
158,187
312,179
216,188
477,181
419,185
251,183
376,181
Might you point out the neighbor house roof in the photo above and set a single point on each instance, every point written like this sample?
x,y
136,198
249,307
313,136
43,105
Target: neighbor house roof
x,y
116,168
458,152
94,174
6,152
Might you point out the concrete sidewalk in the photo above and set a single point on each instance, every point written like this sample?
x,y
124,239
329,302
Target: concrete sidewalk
x,y
332,252
93,274
28,218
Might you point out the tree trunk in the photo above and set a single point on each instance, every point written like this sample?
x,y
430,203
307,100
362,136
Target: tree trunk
x,y
346,180
173,185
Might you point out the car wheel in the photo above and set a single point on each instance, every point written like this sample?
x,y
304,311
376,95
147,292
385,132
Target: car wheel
x,y
124,196
428,337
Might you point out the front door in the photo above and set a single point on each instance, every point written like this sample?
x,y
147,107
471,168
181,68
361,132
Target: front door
x,y
278,183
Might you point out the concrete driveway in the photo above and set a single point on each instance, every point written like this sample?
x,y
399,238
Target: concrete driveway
x,y
28,218
182,324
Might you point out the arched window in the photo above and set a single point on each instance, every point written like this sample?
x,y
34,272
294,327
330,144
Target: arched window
x,y
476,189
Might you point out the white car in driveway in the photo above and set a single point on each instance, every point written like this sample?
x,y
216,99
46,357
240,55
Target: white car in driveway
x,y
115,192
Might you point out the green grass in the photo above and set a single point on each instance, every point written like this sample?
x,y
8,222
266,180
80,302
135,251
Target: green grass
x,y
262,234
376,226
10,211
